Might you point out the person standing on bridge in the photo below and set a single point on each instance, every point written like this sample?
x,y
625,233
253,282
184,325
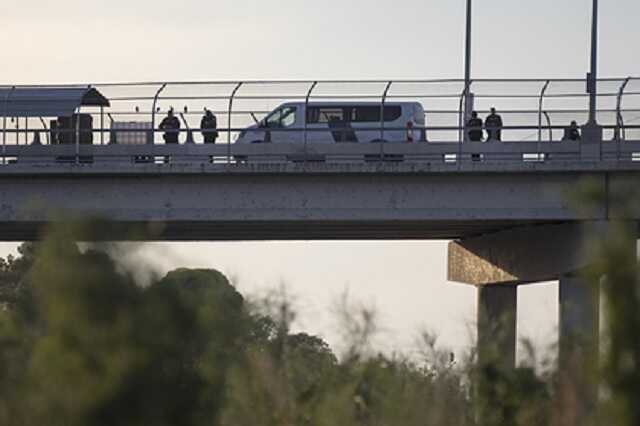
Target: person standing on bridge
x,y
572,133
474,127
493,124
208,126
171,125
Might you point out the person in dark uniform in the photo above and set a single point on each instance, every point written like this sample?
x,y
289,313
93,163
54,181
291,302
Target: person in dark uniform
x,y
171,125
572,133
208,126
493,124
474,127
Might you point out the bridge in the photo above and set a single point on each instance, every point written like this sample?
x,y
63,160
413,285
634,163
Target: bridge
x,y
505,204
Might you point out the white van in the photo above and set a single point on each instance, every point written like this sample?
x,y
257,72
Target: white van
x,y
335,122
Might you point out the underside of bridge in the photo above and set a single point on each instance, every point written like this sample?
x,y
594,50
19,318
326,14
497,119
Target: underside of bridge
x,y
274,230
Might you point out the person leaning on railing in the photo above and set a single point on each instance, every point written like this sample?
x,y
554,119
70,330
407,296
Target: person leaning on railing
x,y
572,133
474,127
171,125
208,126
493,124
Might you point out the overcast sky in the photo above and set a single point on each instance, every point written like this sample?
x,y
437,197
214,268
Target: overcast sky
x,y
116,40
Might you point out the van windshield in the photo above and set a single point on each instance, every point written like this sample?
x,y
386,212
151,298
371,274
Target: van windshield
x,y
282,117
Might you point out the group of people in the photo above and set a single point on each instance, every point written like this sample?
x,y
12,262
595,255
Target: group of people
x,y
171,126
493,126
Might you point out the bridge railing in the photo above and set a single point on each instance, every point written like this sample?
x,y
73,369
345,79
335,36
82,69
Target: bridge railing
x,y
533,110
434,154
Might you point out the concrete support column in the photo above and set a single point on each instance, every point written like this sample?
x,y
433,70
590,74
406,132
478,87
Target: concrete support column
x,y
497,314
579,312
497,311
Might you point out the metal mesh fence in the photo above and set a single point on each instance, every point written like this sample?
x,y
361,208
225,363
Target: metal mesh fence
x,y
531,110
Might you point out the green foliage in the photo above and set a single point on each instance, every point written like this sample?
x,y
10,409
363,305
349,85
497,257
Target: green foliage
x,y
100,350
14,275
83,344
616,272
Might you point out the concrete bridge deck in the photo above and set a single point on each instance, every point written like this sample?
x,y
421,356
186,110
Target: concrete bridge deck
x,y
194,199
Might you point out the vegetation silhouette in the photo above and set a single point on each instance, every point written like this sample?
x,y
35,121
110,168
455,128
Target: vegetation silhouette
x,y
82,343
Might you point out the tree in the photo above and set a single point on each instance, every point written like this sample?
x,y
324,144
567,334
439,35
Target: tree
x,y
14,272
100,350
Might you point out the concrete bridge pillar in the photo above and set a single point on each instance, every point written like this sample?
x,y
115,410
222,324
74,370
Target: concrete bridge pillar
x,y
496,322
579,314
578,357
496,264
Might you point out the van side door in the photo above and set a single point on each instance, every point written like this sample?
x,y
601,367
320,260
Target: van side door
x,y
329,124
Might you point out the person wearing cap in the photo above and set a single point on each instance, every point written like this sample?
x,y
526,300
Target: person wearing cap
x,y
493,125
208,126
171,125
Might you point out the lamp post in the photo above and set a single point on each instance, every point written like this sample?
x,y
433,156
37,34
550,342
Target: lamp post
x,y
592,83
467,63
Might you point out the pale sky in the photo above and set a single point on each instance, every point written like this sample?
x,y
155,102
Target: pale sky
x,y
73,41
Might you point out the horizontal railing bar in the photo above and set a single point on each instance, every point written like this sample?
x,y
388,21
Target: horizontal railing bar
x,y
312,129
494,148
325,81
359,96
309,81
426,111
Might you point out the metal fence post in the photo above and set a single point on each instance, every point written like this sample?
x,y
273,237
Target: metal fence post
x,y
619,119
46,130
540,102
464,97
306,116
153,113
620,132
101,125
384,100
4,124
546,114
233,94
77,132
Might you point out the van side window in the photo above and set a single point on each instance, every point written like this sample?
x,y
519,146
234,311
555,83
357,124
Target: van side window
x,y
365,114
317,115
283,117
392,113
371,113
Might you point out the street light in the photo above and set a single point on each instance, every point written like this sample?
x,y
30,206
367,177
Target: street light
x,y
592,78
467,64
